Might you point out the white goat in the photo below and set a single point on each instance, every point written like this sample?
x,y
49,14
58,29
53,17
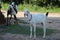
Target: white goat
x,y
36,18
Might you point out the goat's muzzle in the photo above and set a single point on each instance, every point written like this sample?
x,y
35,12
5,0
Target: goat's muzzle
x,y
25,15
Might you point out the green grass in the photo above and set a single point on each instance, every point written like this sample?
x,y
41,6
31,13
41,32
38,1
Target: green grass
x,y
33,8
23,29
4,6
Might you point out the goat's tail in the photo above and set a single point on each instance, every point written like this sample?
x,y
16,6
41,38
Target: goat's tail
x,y
47,13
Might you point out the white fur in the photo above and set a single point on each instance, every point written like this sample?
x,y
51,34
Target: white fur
x,y
36,18
13,3
13,11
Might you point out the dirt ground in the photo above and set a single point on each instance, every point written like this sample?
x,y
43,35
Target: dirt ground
x,y
53,19
53,22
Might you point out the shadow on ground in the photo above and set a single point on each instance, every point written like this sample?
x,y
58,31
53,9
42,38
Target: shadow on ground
x,y
52,23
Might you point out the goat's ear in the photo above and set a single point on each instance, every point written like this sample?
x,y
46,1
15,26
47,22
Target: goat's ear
x,y
47,13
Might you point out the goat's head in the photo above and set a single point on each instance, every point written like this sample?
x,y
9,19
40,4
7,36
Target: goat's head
x,y
13,3
26,12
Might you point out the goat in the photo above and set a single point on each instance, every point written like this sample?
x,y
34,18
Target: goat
x,y
12,10
36,18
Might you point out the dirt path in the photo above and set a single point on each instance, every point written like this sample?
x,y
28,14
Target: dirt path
x,y
20,14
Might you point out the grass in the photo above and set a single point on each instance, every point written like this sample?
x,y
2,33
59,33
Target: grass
x,y
5,6
23,29
33,8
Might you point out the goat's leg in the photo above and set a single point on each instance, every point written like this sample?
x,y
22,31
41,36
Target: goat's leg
x,y
44,29
15,17
31,31
34,31
11,17
7,18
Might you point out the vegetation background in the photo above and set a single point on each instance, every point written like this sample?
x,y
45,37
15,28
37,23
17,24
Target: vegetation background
x,y
34,5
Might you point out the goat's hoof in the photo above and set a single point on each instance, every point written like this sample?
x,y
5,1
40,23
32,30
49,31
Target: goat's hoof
x,y
44,37
34,38
30,36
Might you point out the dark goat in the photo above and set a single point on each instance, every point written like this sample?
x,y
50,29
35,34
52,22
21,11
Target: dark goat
x,y
12,10
2,18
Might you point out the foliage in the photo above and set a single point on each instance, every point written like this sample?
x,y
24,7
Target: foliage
x,y
34,8
35,2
